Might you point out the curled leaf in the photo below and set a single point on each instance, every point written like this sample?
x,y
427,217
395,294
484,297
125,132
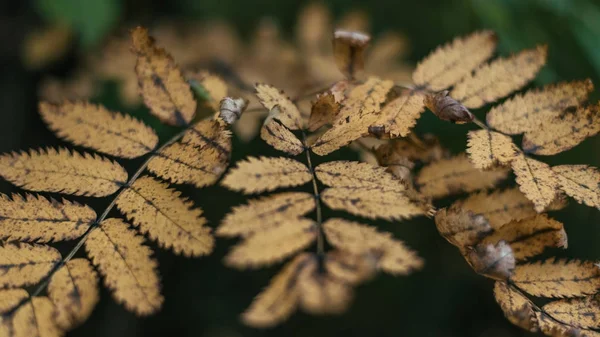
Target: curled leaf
x,y
517,308
231,109
279,136
495,261
348,51
447,108
461,227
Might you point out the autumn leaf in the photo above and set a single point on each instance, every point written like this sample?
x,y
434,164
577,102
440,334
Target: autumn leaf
x,y
400,115
26,318
580,182
536,180
348,51
461,227
289,115
493,260
323,111
486,148
279,136
517,308
25,264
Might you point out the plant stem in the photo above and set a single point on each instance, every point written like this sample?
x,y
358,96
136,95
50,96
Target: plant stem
x,y
320,238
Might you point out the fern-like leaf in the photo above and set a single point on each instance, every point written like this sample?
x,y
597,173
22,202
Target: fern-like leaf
x,y
24,264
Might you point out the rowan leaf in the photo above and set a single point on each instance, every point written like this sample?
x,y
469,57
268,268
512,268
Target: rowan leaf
x,y
270,246
279,136
35,218
487,148
400,115
512,73
212,85
552,327
95,127
447,108
530,237
24,316
581,182
24,264
414,149
63,171
536,180
323,111
357,175
455,175
579,312
265,213
348,51
563,132
126,264
451,62
353,269
270,97
517,308
255,175
166,217
74,291
493,260
462,227
161,84
389,254
558,278
527,112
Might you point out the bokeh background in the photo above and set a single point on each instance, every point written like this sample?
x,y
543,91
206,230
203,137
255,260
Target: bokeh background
x,y
203,297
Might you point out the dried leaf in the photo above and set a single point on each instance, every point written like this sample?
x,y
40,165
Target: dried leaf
x,y
200,158
212,85
161,83
461,227
447,108
580,182
451,62
530,237
266,213
23,264
166,217
231,109
323,111
495,261
320,293
487,148
74,291
270,246
400,115
536,180
391,255
499,78
357,175
552,327
564,132
270,97
35,218
127,266
261,174
63,171
454,175
423,150
353,269
348,51
278,136
558,278
517,308
527,112
24,316
95,127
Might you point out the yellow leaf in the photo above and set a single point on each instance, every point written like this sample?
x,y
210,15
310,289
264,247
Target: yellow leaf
x,y
265,213
270,97
558,278
24,316
166,217
63,171
454,175
357,175
564,132
127,266
451,62
212,84
35,218
423,150
398,117
356,268
462,227
495,261
348,51
270,246
486,148
391,255
279,136
74,291
24,264
95,127
161,83
526,112
530,237
536,180
578,312
517,308
323,111
551,327
261,174
499,78
580,182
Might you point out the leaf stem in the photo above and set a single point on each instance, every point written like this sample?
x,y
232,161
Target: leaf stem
x,y
320,238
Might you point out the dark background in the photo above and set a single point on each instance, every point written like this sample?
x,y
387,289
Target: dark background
x,y
203,297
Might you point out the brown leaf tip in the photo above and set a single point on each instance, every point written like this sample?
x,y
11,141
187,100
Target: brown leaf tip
x,y
447,108
352,39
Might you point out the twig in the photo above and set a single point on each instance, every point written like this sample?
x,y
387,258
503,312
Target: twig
x,y
320,239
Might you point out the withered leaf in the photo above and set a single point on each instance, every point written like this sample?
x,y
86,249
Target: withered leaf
x,y
265,213
563,132
517,308
279,136
447,108
454,175
487,148
63,171
289,115
357,175
261,174
389,254
558,278
270,246
96,127
552,327
354,268
512,73
526,112
415,149
166,217
579,312
23,264
449,63
213,85
24,316
126,265
161,83
323,111
530,237
581,182
462,227
348,51
495,261
400,115
74,291
35,218
536,180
